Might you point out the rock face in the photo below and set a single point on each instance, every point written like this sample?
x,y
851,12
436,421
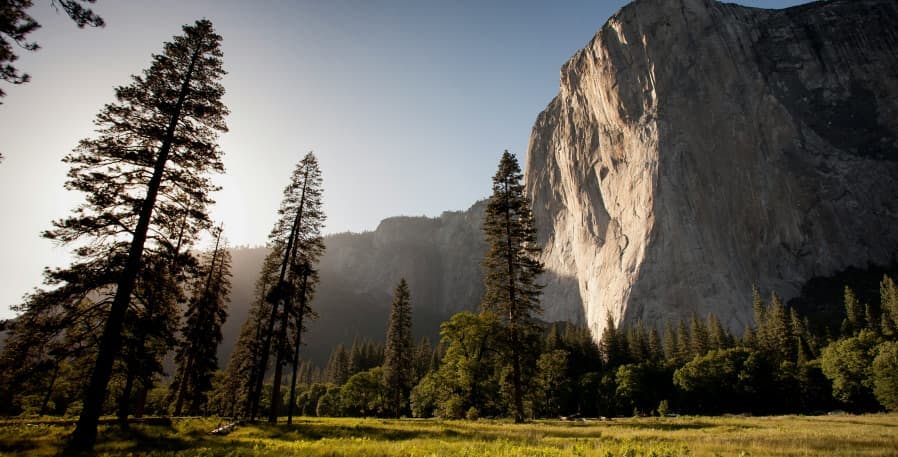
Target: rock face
x,y
697,148
439,257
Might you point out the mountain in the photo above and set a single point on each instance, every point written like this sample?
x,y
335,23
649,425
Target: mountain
x,y
696,148
439,257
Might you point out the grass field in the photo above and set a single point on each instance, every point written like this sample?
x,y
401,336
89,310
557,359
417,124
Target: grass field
x,y
870,435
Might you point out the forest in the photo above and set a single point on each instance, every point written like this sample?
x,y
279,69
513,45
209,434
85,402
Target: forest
x,y
130,328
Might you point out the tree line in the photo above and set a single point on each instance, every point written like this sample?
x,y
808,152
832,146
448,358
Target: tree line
x,y
693,366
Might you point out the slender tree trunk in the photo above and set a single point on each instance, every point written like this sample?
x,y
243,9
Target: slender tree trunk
x,y
281,354
141,403
125,398
255,369
85,434
299,319
188,370
179,397
513,316
140,339
46,399
266,346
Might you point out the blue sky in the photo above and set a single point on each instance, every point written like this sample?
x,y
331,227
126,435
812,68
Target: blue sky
x,y
408,104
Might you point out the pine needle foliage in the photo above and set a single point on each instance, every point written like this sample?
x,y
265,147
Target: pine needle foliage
x,y
147,165
399,356
510,271
206,311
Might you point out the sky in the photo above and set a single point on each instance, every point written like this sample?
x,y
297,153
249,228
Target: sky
x,y
408,105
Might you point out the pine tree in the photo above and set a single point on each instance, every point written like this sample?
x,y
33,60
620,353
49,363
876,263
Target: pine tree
x,y
854,313
760,312
150,328
700,341
888,303
779,331
252,371
337,370
156,142
238,372
201,334
656,349
423,354
717,336
398,357
510,271
670,342
312,247
296,235
684,343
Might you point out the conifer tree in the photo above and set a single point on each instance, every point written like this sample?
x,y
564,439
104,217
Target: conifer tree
x,y
250,371
684,343
297,237
854,314
510,271
700,341
196,357
656,348
337,370
304,268
717,336
150,328
398,356
154,144
670,342
356,357
888,303
423,355
778,330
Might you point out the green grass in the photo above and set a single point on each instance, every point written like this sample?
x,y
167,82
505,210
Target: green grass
x,y
869,435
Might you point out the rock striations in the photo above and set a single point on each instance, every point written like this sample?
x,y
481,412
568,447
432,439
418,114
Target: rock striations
x,y
697,148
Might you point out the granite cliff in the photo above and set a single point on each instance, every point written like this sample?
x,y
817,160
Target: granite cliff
x,y
696,148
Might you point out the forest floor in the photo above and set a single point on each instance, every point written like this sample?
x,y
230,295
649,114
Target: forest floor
x,y
842,435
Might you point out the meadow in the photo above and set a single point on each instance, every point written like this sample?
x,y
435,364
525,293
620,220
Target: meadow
x,y
841,435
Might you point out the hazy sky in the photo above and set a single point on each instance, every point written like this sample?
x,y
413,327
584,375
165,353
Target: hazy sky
x,y
408,104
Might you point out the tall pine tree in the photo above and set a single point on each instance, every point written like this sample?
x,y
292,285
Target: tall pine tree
x,y
296,236
155,144
196,357
249,372
510,271
398,356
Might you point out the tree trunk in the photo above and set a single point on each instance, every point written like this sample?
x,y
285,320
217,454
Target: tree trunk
x,y
85,435
266,346
513,316
124,400
46,399
281,354
302,309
